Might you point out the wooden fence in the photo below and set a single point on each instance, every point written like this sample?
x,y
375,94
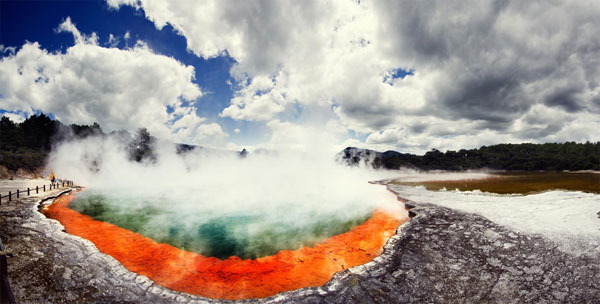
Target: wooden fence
x,y
30,190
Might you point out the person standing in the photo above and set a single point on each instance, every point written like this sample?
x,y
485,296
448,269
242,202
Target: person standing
x,y
52,177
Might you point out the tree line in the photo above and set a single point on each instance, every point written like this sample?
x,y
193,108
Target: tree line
x,y
26,145
522,157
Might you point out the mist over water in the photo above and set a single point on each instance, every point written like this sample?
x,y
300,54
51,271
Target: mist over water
x,y
218,203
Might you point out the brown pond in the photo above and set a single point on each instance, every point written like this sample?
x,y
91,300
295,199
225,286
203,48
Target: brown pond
x,y
518,182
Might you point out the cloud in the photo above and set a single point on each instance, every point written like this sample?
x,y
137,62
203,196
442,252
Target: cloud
x,y
500,58
188,128
119,89
113,41
15,117
388,136
67,26
257,101
478,68
7,49
288,54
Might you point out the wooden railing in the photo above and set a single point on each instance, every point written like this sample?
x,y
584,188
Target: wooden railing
x,y
30,190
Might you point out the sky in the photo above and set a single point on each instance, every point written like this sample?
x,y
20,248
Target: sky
x,y
387,75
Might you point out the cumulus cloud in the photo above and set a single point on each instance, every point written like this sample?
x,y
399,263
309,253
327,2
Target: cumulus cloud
x,y
119,89
288,53
191,129
393,135
480,69
7,49
67,26
113,41
15,117
260,100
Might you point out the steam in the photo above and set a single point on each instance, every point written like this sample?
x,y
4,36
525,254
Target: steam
x,y
275,193
408,175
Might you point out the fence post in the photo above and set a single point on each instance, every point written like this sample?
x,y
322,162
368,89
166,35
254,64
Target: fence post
x,y
18,193
44,188
36,189
27,191
9,196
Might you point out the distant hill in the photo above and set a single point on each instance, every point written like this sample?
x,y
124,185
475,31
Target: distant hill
x,y
26,146
526,157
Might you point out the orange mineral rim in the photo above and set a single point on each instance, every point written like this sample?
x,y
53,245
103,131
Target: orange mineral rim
x,y
232,278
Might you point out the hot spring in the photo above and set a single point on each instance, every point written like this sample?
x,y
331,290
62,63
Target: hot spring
x,y
222,226
218,253
205,227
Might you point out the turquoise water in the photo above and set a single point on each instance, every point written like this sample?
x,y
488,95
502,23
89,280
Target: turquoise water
x,y
215,231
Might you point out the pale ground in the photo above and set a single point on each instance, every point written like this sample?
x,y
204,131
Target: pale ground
x,y
569,218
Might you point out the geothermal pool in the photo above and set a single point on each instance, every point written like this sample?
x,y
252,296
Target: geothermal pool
x,y
562,206
230,253
249,234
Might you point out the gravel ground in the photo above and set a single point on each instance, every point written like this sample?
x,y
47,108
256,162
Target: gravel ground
x,y
440,256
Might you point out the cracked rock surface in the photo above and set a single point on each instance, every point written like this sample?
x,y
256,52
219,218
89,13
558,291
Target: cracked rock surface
x,y
439,256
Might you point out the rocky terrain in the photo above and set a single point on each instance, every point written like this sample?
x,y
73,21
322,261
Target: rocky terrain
x,y
440,256
7,174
